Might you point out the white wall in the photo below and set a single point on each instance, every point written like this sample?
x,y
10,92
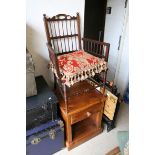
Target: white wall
x,y
35,32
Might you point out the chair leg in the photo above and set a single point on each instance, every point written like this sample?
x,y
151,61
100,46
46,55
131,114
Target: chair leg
x,y
65,96
55,82
105,77
104,80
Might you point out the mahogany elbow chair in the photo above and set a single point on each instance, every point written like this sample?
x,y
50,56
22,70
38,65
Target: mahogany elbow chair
x,y
71,60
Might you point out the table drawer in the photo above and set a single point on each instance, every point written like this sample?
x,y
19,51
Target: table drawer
x,y
85,113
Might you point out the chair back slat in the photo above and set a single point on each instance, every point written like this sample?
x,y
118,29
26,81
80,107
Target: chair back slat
x,y
64,43
63,32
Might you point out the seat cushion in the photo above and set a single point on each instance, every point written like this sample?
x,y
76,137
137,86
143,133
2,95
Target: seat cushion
x,y
78,66
31,89
29,63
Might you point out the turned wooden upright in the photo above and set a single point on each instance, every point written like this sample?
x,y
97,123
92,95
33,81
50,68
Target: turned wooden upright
x,y
83,118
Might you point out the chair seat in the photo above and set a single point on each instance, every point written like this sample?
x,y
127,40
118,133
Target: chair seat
x,y
78,66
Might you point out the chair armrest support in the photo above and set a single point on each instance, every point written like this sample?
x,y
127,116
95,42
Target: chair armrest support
x,y
96,48
53,58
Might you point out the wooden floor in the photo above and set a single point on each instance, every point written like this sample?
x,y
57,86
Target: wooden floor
x,y
115,151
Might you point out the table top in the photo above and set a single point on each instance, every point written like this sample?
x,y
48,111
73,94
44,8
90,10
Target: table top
x,y
83,100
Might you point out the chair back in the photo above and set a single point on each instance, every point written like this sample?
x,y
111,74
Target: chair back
x,y
63,33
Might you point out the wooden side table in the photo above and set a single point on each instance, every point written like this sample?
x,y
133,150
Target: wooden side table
x,y
84,116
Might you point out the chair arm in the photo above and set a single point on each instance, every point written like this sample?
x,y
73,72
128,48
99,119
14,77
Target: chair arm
x,y
53,58
96,48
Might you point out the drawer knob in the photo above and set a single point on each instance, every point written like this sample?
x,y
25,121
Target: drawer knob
x,y
88,114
